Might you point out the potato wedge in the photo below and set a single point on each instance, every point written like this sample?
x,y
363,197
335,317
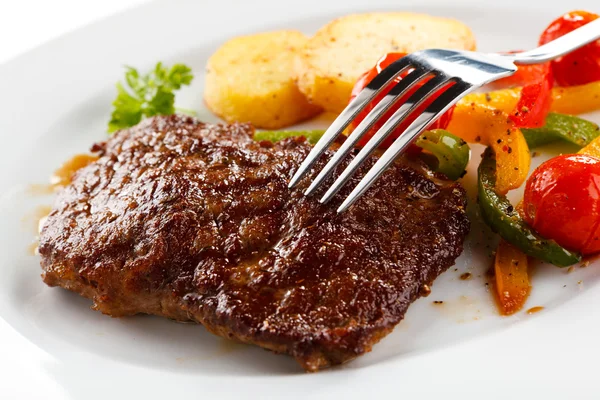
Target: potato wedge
x,y
342,50
249,79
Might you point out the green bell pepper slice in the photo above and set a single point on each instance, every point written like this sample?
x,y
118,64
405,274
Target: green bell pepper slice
x,y
562,127
312,136
452,152
501,216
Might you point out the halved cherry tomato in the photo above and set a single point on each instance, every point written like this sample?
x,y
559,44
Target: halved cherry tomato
x,y
562,202
366,78
536,96
580,66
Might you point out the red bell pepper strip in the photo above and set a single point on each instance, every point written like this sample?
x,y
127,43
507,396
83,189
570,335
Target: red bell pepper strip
x,y
536,96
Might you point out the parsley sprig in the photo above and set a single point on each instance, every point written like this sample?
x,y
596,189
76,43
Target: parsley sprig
x,y
147,95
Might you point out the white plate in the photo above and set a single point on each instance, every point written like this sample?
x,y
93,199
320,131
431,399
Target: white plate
x,y
55,102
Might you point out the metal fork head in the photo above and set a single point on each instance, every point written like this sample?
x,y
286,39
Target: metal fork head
x,y
448,74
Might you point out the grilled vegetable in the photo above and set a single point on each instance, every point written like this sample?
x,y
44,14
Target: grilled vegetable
x,y
592,149
562,127
451,152
535,96
501,216
562,201
478,123
512,278
576,99
571,100
312,136
579,66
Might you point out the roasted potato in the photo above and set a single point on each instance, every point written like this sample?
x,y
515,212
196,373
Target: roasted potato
x,y
330,63
250,79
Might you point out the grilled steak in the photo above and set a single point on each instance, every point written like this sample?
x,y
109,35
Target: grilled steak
x,y
195,222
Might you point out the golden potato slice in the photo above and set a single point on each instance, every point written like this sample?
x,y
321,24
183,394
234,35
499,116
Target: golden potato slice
x,y
250,79
342,50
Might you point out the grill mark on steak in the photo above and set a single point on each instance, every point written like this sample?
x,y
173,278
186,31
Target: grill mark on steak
x,y
194,221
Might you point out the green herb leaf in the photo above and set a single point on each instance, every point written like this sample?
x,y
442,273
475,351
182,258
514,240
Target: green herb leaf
x,y
147,95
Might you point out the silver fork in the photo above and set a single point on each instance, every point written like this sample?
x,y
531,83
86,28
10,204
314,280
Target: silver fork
x,y
465,71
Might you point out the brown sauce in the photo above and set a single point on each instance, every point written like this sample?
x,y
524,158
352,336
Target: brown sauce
x,y
534,310
63,175
425,290
466,276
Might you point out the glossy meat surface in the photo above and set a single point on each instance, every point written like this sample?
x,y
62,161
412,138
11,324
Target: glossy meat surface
x,y
194,221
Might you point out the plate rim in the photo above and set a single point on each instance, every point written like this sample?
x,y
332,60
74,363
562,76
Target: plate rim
x,y
385,374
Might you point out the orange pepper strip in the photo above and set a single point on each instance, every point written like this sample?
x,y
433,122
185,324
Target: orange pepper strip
x,y
479,123
512,279
567,100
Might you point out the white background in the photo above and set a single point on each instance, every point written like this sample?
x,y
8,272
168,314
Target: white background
x,y
25,24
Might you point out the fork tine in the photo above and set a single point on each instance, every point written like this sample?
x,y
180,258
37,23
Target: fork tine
x,y
405,109
436,109
380,108
350,112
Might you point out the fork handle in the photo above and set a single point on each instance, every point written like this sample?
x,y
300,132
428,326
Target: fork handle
x,y
559,47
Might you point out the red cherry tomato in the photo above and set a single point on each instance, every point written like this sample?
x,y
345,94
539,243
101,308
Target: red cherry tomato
x,y
580,66
536,96
365,79
562,202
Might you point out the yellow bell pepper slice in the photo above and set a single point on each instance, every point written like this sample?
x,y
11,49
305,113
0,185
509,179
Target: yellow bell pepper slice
x,y
512,278
567,100
479,123
505,100
576,99
592,149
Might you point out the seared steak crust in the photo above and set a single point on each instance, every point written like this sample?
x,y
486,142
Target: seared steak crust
x,y
194,222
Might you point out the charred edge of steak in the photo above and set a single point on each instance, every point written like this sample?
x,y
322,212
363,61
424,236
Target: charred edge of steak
x,y
194,222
